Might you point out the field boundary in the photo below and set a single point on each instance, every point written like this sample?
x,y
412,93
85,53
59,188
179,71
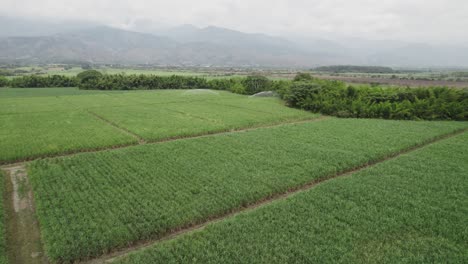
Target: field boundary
x,y
164,140
117,254
121,129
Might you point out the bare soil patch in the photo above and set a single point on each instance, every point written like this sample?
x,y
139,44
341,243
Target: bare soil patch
x,y
22,227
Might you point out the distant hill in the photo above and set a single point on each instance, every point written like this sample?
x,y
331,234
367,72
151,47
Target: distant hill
x,y
110,45
29,41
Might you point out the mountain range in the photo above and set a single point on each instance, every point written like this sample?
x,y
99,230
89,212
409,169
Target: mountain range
x,y
29,41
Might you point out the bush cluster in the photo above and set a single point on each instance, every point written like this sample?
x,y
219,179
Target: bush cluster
x,y
337,99
94,80
34,81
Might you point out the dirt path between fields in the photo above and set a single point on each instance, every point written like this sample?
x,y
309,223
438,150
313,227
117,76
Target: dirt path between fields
x,y
23,239
109,258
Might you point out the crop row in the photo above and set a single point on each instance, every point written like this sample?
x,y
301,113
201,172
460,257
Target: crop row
x,y
91,203
412,209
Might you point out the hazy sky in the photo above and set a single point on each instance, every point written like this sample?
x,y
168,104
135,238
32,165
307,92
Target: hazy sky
x,y
444,21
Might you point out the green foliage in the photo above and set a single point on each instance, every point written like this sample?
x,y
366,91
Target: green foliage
x,y
335,98
408,210
34,81
256,84
238,88
89,79
111,199
4,82
303,77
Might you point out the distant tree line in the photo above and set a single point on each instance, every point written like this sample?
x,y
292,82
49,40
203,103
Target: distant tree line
x,y
35,81
305,92
355,69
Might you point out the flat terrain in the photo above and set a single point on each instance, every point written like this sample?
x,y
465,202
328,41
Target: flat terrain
x,y
44,122
408,210
147,191
201,176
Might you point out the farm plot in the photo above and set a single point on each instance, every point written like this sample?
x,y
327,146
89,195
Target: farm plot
x,y
411,209
156,122
41,92
23,105
29,135
34,123
94,202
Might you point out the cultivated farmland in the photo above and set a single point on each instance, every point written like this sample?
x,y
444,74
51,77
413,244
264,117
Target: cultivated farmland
x,y
147,191
100,174
404,210
33,123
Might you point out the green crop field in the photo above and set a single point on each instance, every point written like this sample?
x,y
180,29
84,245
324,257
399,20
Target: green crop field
x,y
110,171
33,135
53,121
94,202
412,209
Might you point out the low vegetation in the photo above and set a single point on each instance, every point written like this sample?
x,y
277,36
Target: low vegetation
x,y
37,123
32,135
408,210
91,203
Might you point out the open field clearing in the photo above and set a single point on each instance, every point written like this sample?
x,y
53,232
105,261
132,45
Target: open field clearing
x,y
33,123
32,135
91,203
411,209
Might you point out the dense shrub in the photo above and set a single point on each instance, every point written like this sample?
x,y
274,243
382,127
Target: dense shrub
x,y
249,85
35,81
303,77
3,82
335,98
256,84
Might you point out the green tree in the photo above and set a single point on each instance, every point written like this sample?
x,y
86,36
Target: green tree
x,y
256,84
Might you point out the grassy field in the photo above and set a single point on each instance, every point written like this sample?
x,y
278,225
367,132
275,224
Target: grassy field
x,y
33,135
408,210
51,121
90,203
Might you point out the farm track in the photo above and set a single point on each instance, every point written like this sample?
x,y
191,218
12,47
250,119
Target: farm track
x,y
22,227
214,133
109,258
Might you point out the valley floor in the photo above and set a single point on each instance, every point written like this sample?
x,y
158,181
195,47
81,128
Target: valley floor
x,y
208,177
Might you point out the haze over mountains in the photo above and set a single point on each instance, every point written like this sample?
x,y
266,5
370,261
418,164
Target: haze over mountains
x,y
32,41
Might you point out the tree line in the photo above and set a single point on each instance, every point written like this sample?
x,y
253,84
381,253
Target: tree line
x,y
338,99
305,92
355,69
